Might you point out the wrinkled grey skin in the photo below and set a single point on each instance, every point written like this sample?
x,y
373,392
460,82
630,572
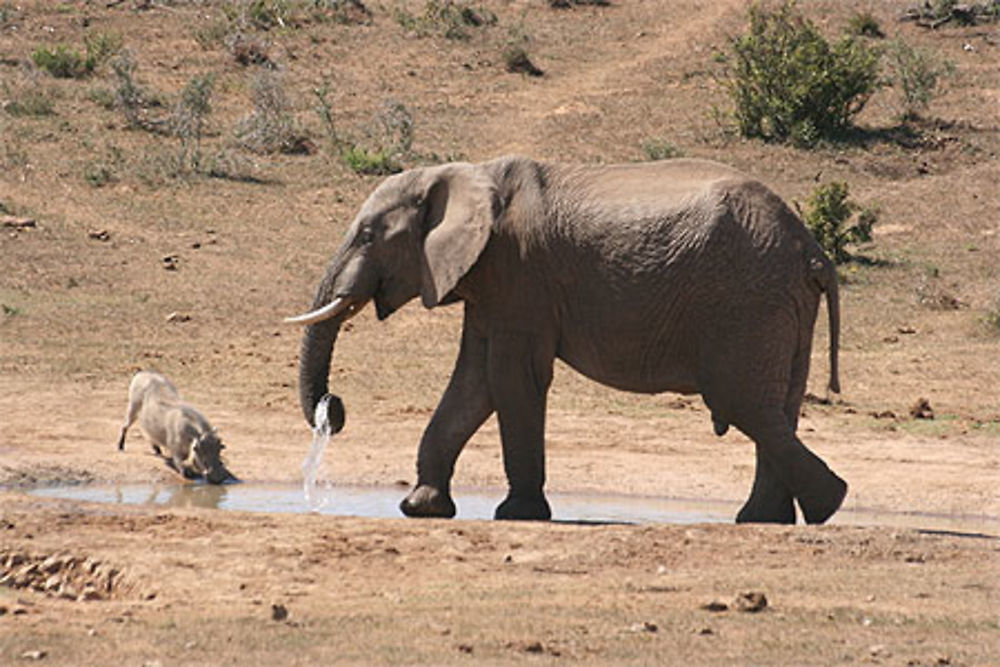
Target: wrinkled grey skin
x,y
192,447
682,275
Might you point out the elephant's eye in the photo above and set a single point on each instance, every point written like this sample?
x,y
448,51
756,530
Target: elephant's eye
x,y
367,236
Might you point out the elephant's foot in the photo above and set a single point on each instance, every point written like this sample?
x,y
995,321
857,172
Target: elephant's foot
x,y
822,498
426,501
527,508
778,508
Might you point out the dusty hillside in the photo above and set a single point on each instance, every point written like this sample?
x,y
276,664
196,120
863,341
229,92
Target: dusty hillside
x,y
133,240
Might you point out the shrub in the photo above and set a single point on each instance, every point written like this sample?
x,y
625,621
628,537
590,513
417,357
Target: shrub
x,y
658,148
259,14
915,73
270,128
865,25
370,162
29,102
448,18
66,63
344,12
789,83
189,118
62,62
827,212
133,102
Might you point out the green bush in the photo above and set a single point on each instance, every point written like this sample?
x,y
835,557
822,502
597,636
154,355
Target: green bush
x,y
790,84
370,162
827,213
915,73
865,25
62,62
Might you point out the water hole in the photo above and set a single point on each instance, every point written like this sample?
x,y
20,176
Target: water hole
x,y
478,503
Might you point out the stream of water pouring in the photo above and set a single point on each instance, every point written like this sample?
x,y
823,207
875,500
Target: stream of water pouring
x,y
314,459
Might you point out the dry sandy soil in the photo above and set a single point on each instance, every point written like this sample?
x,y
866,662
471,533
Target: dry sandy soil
x,y
87,295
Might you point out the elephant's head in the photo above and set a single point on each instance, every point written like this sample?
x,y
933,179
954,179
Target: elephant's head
x,y
418,233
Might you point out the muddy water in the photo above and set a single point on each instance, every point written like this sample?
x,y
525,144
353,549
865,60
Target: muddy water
x,y
376,502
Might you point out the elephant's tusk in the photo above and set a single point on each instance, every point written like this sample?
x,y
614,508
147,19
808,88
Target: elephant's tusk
x,y
332,309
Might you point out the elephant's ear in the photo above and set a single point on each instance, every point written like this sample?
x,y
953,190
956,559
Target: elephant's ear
x,y
458,220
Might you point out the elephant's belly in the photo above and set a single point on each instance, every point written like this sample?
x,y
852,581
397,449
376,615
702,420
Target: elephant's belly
x,y
642,373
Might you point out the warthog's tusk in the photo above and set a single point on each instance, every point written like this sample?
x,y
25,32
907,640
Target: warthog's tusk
x,y
332,309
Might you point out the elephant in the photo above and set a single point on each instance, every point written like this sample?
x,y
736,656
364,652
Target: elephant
x,y
680,275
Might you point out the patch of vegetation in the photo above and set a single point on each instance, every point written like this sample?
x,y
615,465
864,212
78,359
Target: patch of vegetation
x,y
189,119
992,320
344,12
133,102
658,148
379,162
259,14
828,211
105,170
939,12
62,62
915,73
385,143
29,101
270,127
451,19
864,24
10,311
515,53
789,84
567,4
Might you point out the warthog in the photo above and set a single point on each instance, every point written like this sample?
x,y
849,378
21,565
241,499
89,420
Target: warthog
x,y
192,447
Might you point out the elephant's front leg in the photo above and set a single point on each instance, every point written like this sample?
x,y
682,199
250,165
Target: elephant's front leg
x,y
520,372
463,408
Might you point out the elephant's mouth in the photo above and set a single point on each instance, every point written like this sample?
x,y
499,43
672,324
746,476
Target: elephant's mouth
x,y
345,307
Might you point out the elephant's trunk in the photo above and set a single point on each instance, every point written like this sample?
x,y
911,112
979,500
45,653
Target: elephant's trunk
x,y
314,364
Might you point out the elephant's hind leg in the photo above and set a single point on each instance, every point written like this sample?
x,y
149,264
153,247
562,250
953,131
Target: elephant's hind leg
x,y
783,461
770,500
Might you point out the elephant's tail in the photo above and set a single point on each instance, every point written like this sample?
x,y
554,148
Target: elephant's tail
x,y
833,312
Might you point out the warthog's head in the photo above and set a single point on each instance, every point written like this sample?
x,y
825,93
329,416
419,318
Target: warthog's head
x,y
207,458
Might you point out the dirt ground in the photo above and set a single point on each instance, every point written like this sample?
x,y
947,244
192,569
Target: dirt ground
x,y
111,261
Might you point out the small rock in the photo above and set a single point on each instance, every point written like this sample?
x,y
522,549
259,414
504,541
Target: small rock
x,y
89,593
34,655
176,317
534,647
170,262
13,222
279,612
465,648
706,631
922,409
102,235
715,606
645,626
751,602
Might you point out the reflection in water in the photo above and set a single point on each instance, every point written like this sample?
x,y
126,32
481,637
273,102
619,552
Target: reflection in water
x,y
371,501
207,496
